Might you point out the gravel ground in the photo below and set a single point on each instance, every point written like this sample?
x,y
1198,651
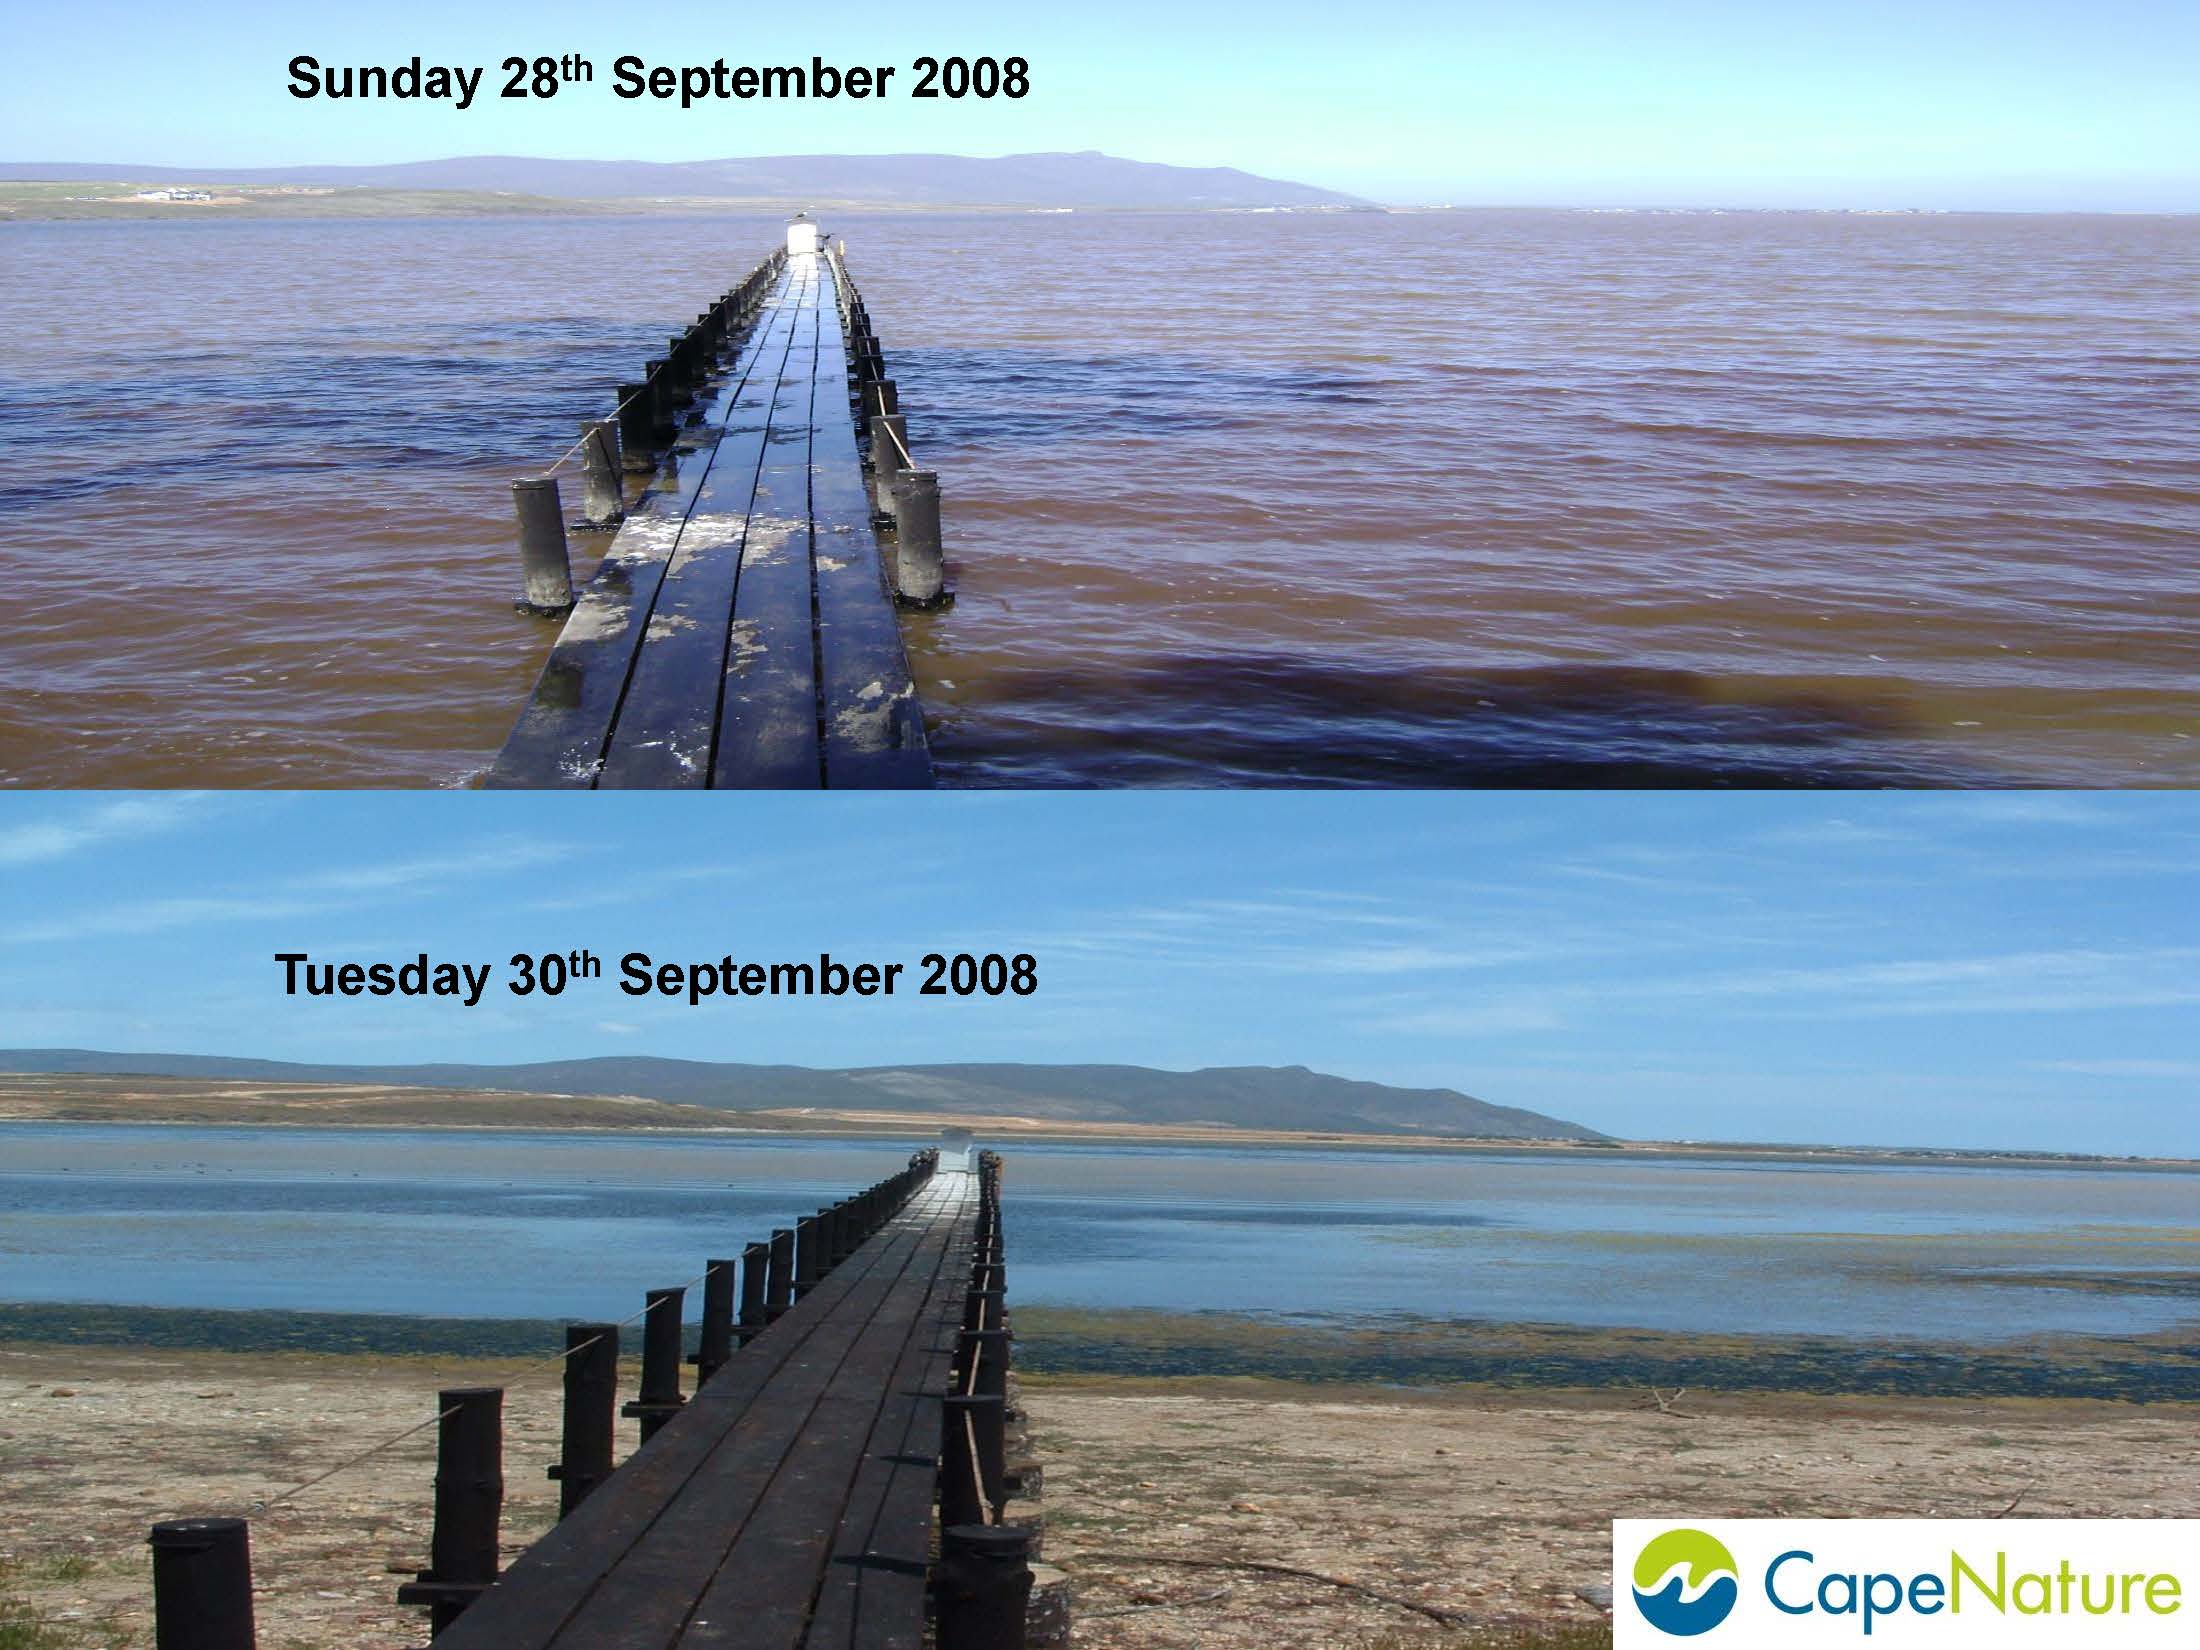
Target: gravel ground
x,y
1487,1509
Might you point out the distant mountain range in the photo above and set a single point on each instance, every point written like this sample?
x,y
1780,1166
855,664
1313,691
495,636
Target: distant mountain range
x,y
1084,179
1246,1097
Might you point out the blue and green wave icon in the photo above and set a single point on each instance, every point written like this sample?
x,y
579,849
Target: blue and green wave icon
x,y
1686,1582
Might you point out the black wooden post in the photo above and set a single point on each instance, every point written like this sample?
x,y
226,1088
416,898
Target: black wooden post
x,y
755,1262
982,1356
969,1420
889,457
469,1504
545,566
202,1584
981,1587
962,1495
591,1398
660,1398
602,501
982,1309
716,1347
637,423
663,425
920,570
779,1289
807,1269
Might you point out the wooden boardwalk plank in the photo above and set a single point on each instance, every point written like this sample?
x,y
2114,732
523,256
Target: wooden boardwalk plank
x,y
667,722
742,631
767,701
792,1531
873,725
658,1593
721,1499
562,734
556,1575
873,1592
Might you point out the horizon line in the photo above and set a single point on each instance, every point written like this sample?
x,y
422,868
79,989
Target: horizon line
x,y
1871,207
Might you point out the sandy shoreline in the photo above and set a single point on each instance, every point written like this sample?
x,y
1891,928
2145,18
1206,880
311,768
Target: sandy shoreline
x,y
1486,1503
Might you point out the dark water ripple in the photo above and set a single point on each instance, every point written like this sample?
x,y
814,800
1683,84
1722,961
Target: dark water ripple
x,y
1485,498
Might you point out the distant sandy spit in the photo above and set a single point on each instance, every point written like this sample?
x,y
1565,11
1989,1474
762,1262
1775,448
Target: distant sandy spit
x,y
74,1098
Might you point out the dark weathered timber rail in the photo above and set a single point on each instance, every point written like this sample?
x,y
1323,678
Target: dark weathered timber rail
x,y
845,1477
742,630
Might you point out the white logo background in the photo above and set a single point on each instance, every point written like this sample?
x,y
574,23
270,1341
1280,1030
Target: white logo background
x,y
1907,1547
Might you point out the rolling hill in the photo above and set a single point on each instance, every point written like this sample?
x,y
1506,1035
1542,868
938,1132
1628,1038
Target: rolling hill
x,y
1244,1097
1085,179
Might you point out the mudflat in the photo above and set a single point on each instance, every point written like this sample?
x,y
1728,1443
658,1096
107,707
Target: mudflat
x,y
1189,1512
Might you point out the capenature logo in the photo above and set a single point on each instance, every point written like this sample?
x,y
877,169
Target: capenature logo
x,y
1686,1582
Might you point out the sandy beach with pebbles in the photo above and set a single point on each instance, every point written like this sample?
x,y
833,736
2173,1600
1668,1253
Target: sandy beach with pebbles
x,y
1189,1513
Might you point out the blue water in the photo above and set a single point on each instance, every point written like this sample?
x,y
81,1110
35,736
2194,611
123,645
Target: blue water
x,y
482,1224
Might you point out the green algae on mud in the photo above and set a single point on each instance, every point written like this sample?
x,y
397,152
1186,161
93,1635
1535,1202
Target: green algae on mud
x,y
1410,1351
341,1334
1395,1352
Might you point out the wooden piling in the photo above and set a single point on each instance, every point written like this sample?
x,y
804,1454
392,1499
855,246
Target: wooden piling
x,y
973,1422
962,1487
981,1588
546,571
755,1263
638,426
889,456
604,501
202,1584
807,1266
982,1309
664,422
716,1346
982,1358
779,1287
591,1400
660,1397
920,569
469,1505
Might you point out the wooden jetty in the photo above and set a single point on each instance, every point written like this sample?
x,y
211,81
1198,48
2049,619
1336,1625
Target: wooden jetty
x,y
846,1474
742,630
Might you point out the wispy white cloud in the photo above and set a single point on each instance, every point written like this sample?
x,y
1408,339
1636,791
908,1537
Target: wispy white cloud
x,y
316,893
94,825
2074,981
1508,1013
2027,981
2173,1070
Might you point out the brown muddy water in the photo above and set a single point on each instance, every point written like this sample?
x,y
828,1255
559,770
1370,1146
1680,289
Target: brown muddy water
x,y
1432,499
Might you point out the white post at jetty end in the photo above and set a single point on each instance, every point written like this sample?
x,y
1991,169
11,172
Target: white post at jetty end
x,y
801,235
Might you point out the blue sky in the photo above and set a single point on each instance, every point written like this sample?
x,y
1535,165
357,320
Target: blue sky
x,y
1963,970
1946,103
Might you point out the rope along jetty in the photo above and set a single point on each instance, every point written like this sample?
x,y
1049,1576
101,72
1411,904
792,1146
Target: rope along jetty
x,y
742,630
850,1471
